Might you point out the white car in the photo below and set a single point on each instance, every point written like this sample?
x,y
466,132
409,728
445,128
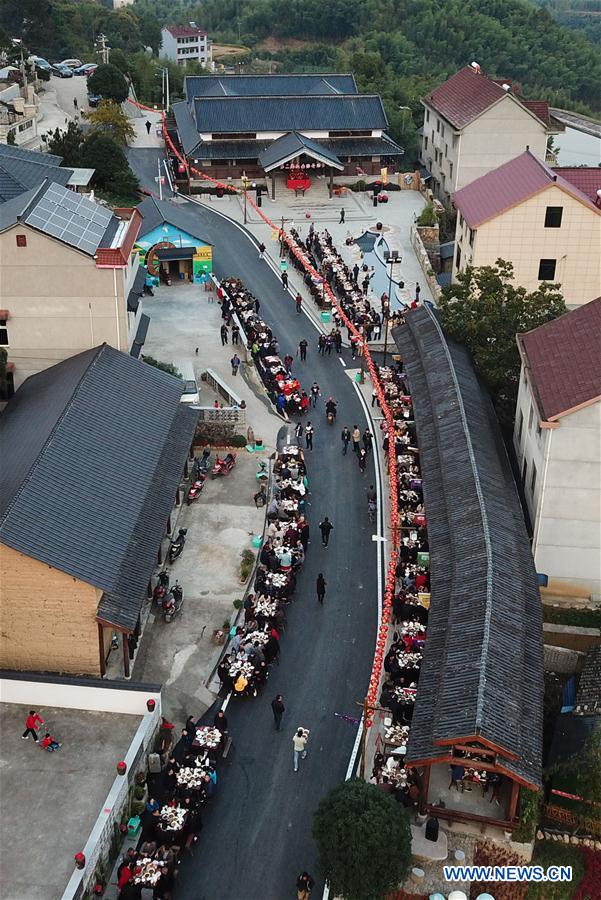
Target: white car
x,y
70,63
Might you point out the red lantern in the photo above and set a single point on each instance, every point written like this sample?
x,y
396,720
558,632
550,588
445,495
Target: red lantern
x,y
121,768
307,215
150,705
80,861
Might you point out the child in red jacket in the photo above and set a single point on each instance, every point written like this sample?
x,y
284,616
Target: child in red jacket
x,y
30,726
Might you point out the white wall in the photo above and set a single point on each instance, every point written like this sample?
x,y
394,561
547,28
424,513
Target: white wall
x,y
530,442
59,694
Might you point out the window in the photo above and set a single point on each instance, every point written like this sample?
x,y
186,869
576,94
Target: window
x,y
359,132
425,143
9,388
472,236
26,125
438,126
553,216
239,136
3,333
520,426
458,258
442,131
524,471
427,115
460,220
451,169
546,269
533,479
530,418
21,240
446,149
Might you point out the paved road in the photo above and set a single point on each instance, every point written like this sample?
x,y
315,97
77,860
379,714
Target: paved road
x,y
257,838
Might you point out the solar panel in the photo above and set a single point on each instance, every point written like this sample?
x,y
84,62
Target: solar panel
x,y
73,219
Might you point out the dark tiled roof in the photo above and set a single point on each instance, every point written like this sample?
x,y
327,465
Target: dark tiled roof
x,y
540,108
21,170
290,145
564,360
586,178
184,31
7,151
186,126
482,672
105,416
136,290
11,210
341,147
508,185
588,698
140,338
267,85
157,212
334,112
468,93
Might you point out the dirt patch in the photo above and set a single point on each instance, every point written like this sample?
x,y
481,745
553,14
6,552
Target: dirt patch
x,y
220,50
272,44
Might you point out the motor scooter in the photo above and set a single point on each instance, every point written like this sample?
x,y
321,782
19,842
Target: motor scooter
x,y
262,471
195,489
177,545
224,466
330,412
173,602
161,587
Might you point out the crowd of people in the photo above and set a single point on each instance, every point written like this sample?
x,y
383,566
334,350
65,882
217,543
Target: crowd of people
x,y
254,645
350,285
186,785
282,387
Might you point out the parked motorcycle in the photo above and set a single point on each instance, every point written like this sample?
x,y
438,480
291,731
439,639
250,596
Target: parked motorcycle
x,y
262,472
196,489
224,466
203,464
161,587
177,545
173,602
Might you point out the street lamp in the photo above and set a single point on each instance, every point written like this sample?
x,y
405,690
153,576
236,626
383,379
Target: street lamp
x,y
164,72
391,258
245,181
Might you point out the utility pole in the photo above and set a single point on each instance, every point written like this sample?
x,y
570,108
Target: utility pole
x,y
102,48
282,239
160,179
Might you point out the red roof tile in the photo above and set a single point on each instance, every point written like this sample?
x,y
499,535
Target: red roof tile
x,y
586,178
564,361
510,184
184,30
469,93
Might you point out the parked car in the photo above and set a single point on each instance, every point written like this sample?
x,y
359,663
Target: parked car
x,y
70,63
62,71
40,62
85,69
94,100
91,69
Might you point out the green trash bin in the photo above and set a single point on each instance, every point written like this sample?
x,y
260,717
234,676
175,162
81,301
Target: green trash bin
x,y
325,316
358,377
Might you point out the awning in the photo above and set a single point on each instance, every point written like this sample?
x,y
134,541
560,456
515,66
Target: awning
x,y
424,174
168,254
140,337
136,290
292,145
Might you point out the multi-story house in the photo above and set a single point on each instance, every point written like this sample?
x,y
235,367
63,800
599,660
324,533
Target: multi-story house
x,y
70,279
473,123
546,222
557,439
186,43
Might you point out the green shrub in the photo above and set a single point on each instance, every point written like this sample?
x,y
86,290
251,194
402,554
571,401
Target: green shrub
x,y
247,564
169,368
238,440
529,814
139,792
427,217
553,853
579,618
237,603
137,808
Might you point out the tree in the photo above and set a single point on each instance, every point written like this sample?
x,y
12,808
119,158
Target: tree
x,y
484,311
364,841
113,174
67,143
110,117
119,59
108,82
10,138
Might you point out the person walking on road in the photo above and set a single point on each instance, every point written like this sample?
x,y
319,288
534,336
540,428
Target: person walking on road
x,y
314,393
356,435
325,527
31,723
299,742
355,273
224,334
278,708
341,222
367,440
298,430
299,304
235,334
417,291
302,349
235,363
362,461
321,344
285,280
148,126
75,102
304,886
345,438
261,251
309,436
321,588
